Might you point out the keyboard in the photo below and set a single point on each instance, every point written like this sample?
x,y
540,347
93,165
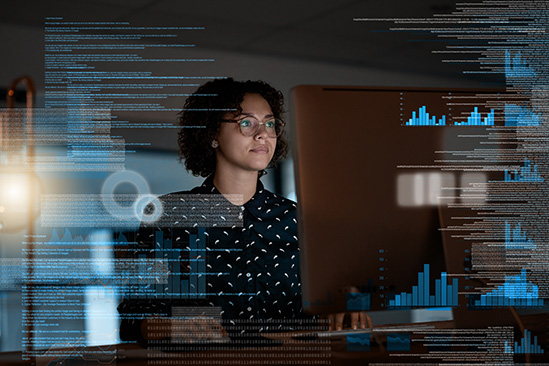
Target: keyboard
x,y
248,341
345,332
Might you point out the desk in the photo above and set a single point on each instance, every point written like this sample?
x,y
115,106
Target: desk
x,y
291,352
302,352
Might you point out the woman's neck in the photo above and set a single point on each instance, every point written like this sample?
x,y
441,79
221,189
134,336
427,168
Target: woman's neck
x,y
238,188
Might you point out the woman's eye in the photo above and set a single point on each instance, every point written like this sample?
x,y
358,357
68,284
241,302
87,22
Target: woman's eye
x,y
270,124
245,123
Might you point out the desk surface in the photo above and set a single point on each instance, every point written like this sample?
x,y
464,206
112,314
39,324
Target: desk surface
x,y
291,352
327,352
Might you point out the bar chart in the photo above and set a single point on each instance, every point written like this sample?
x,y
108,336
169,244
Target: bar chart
x,y
515,67
445,294
183,270
526,345
527,173
515,239
516,291
522,116
475,119
422,118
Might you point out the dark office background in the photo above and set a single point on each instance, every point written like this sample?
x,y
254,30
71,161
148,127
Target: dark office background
x,y
286,43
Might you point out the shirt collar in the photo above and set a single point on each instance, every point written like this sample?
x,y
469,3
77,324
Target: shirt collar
x,y
254,205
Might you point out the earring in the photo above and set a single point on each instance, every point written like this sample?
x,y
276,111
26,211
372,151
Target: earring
x,y
215,144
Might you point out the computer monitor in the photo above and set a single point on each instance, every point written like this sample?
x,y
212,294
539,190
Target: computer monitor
x,y
369,178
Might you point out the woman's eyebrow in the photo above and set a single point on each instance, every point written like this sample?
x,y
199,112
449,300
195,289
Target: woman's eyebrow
x,y
252,115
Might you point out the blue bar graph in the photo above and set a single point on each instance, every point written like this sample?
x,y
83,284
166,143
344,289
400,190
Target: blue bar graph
x,y
528,173
422,118
516,291
171,281
515,67
445,294
516,240
516,115
526,345
170,275
475,119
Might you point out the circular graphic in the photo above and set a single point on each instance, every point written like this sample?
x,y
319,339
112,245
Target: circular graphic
x,y
148,208
125,212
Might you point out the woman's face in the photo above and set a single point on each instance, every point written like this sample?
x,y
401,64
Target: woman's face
x,y
245,153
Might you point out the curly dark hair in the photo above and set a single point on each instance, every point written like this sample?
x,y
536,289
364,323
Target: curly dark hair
x,y
201,118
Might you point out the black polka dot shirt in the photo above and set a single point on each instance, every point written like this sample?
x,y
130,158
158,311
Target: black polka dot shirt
x,y
252,270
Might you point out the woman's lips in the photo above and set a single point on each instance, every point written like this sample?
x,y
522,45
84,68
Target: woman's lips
x,y
260,149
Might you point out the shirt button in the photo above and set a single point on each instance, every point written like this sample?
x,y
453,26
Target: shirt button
x,y
249,308
248,274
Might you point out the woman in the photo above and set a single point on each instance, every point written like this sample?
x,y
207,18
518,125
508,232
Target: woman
x,y
231,132
244,136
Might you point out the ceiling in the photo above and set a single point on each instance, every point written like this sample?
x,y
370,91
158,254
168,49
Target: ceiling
x,y
307,32
319,30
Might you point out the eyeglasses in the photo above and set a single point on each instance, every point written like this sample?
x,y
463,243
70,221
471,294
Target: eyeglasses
x,y
250,125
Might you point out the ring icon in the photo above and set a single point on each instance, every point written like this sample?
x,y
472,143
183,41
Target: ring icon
x,y
148,208
137,208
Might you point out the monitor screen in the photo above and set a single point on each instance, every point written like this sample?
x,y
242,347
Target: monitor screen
x,y
372,165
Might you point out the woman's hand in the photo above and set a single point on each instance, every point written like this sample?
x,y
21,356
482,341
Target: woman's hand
x,y
358,320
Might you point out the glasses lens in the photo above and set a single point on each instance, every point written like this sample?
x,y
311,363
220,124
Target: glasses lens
x,y
279,127
250,125
270,127
274,127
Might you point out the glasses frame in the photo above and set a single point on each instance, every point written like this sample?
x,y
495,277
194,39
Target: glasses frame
x,y
238,120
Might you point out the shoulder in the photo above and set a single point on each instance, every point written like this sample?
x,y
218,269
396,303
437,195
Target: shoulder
x,y
282,201
273,205
202,189
263,194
